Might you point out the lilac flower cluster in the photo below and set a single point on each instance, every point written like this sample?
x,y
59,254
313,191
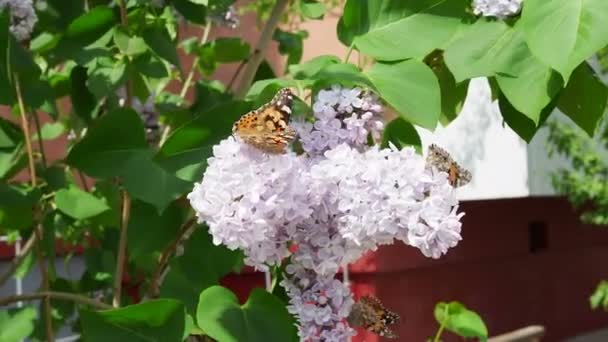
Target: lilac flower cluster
x,y
225,17
343,115
325,208
148,114
497,8
23,17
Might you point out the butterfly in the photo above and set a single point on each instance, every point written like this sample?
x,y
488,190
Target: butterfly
x,y
441,159
370,313
267,127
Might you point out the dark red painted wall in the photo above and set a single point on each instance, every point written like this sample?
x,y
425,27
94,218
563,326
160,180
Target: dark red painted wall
x,y
492,271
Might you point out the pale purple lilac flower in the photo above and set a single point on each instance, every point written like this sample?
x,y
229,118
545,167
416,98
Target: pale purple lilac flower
x,y
23,17
343,115
497,8
325,208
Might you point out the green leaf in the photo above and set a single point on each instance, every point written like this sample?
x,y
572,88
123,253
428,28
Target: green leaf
x,y
79,204
90,26
456,318
395,27
50,131
105,79
195,13
309,68
453,94
311,9
187,149
18,326
202,265
127,156
354,20
160,320
16,206
160,42
344,74
525,127
83,101
129,45
422,105
529,84
12,158
599,298
401,134
262,318
480,51
222,50
584,99
149,231
564,33
290,44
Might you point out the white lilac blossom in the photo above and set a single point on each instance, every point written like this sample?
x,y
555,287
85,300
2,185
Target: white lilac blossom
x,y
23,17
225,17
252,201
321,305
325,208
497,8
343,115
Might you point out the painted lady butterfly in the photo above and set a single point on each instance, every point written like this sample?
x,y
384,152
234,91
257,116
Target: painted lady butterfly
x,y
370,313
441,159
267,127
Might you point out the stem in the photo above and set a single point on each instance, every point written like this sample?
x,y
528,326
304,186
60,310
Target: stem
x,y
40,142
48,322
256,57
183,234
26,132
122,248
188,81
18,259
55,295
236,73
349,52
203,40
83,180
38,230
441,326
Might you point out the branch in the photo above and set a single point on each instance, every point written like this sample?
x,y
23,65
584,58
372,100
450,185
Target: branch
x,y
55,295
122,248
40,142
18,260
38,230
258,53
183,235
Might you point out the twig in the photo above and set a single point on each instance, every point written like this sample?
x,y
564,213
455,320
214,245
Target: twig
x,y
188,81
83,180
38,230
44,272
258,53
125,22
122,248
183,235
203,40
26,132
236,73
55,295
349,52
40,141
18,260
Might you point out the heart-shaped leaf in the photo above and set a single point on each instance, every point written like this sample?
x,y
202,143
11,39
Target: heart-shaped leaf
x,y
262,318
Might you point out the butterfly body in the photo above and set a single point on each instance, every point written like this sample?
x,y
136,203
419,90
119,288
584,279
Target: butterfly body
x,y
443,161
370,314
266,128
